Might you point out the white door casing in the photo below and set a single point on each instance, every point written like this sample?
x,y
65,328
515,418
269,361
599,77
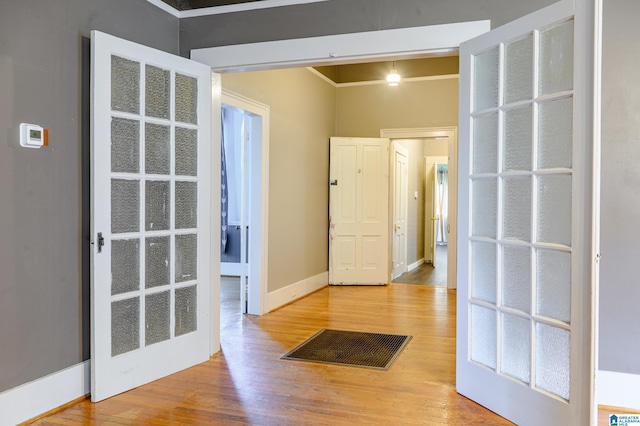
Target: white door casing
x,y
150,214
451,133
526,242
259,206
359,211
400,170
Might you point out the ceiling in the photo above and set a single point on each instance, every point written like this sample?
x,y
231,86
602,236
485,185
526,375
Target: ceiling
x,y
199,4
375,71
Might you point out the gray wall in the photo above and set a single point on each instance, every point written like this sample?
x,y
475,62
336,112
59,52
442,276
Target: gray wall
x,y
43,302
619,282
342,17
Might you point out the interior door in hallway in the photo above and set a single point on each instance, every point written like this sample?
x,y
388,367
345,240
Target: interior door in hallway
x,y
527,241
150,214
359,211
400,209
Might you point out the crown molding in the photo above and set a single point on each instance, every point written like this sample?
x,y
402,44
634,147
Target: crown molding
x,y
232,8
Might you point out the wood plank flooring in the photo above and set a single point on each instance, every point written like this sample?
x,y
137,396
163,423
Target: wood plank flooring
x,y
426,274
247,383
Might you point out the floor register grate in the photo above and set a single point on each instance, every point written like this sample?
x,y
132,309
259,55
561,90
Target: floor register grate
x,y
350,348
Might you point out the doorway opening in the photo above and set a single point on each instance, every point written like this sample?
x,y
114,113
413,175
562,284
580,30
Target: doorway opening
x,y
242,267
431,201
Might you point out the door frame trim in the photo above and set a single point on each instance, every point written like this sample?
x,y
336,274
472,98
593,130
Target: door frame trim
x,y
403,43
433,132
261,232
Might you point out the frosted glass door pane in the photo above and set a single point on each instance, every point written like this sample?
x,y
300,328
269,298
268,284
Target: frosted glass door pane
x,y
483,336
157,205
186,99
157,261
186,257
516,215
125,326
485,144
485,79
516,347
125,145
553,349
518,70
157,318
125,205
554,209
483,271
157,153
554,284
555,134
518,137
186,152
125,266
157,92
186,205
125,85
516,278
484,208
186,309
556,58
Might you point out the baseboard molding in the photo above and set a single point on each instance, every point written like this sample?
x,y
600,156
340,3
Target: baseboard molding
x,y
294,291
618,389
230,269
32,399
415,265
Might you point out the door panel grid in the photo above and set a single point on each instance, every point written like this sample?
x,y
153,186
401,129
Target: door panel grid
x,y
153,197
521,204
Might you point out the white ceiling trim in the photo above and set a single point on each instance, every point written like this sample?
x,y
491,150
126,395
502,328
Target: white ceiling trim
x,y
217,10
322,76
162,5
403,43
379,82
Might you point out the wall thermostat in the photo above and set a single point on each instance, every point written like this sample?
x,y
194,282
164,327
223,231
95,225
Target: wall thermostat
x,y
32,135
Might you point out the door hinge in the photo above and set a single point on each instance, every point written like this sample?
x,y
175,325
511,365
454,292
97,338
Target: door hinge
x,y
100,240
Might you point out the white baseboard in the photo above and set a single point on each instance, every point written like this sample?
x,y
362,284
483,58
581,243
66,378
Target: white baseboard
x,y
294,291
27,401
618,389
415,265
231,269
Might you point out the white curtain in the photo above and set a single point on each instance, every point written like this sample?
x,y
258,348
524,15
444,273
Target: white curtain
x,y
442,199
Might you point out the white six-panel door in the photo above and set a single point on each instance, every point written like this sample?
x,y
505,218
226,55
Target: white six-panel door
x,y
400,209
150,204
359,211
525,281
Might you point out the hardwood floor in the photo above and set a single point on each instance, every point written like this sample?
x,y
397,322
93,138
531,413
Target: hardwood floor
x,y
426,274
247,383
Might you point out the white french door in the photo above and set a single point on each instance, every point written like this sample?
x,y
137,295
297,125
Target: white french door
x,y
359,211
526,272
150,204
400,207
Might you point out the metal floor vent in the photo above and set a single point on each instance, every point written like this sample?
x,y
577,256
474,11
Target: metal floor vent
x,y
351,348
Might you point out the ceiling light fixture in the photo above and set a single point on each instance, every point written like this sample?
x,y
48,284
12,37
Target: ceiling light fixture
x,y
393,78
